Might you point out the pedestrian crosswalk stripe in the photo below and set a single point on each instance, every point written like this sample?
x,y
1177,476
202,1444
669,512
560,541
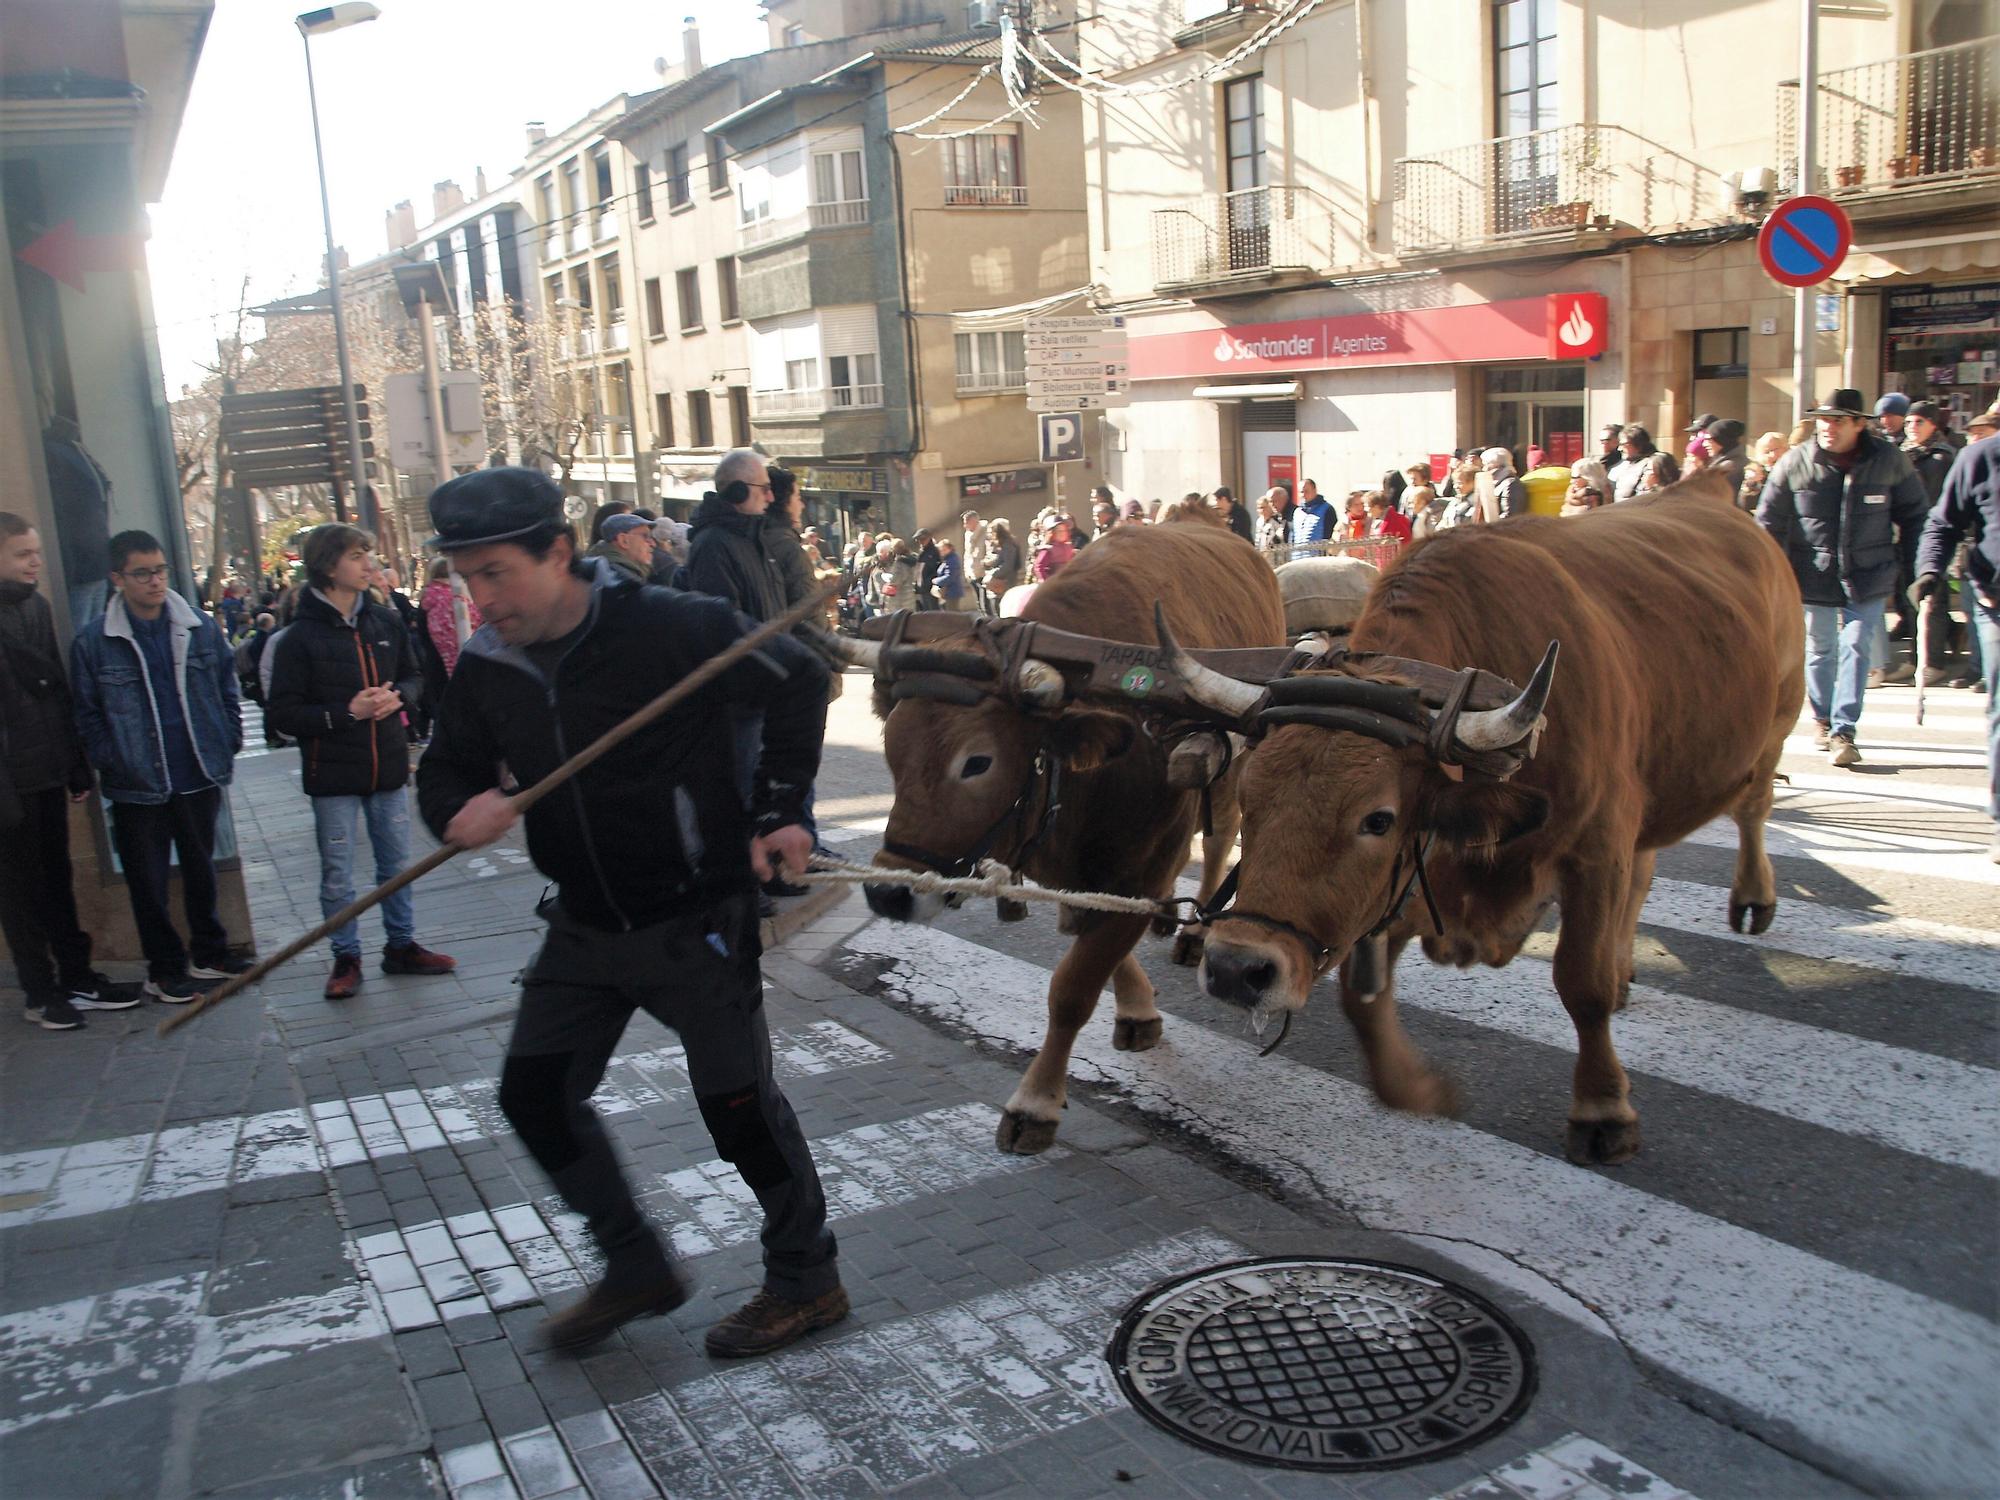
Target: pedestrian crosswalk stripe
x,y
479,1262
1876,786
1913,1101
1914,947
1895,1383
103,1175
110,1347
1846,847
1573,1467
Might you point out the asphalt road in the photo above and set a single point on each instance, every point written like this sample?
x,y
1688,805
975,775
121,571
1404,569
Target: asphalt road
x,y
1805,1247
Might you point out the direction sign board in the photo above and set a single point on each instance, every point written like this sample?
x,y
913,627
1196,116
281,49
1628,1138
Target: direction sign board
x,y
1077,403
1804,241
1091,384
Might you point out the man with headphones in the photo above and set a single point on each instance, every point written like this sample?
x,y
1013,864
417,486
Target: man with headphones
x,y
728,557
655,855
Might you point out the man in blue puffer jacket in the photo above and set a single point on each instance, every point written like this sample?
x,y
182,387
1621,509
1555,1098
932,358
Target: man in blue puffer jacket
x,y
1836,505
155,686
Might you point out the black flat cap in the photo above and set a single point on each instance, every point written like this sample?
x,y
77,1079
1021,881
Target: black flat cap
x,y
1700,424
493,505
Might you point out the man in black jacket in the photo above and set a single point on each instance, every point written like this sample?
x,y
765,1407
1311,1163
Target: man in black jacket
x,y
729,556
342,674
42,770
655,858
1968,510
1835,505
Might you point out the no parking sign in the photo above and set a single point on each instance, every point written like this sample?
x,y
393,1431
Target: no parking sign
x,y
1804,241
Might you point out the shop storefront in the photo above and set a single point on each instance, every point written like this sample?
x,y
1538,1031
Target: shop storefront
x,y
843,499
1943,342
1339,399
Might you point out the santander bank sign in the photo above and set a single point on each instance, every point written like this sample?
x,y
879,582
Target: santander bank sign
x,y
1560,325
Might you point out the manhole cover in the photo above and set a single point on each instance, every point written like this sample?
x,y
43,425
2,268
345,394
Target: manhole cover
x,y
1312,1363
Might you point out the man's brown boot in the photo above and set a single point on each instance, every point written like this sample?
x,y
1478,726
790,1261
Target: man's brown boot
x,y
610,1305
768,1321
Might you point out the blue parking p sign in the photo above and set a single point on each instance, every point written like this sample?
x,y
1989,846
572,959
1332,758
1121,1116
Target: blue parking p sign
x,y
1062,437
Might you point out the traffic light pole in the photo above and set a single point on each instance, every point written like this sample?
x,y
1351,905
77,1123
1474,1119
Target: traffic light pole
x,y
357,473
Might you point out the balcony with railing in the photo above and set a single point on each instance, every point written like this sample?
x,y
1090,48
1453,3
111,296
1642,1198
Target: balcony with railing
x,y
1252,235
985,195
991,382
604,223
818,216
812,400
617,336
1925,119
1550,185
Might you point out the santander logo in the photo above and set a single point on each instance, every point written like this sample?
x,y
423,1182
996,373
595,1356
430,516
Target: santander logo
x,y
1576,329
1225,348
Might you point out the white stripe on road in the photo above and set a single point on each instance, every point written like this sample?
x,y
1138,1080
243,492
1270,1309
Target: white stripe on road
x,y
480,1262
1873,786
1913,947
1899,1385
1841,846
73,1357
100,1176
1876,752
907,1400
1929,1106
1573,1467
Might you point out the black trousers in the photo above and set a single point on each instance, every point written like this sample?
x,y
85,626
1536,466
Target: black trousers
x,y
145,835
699,976
37,904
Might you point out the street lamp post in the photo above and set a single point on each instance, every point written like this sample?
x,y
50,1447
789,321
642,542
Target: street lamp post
x,y
317,23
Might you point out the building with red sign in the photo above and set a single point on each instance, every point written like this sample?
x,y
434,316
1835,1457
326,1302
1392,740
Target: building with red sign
x,y
1347,238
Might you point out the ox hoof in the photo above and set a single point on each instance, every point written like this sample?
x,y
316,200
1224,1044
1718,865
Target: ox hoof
x,y
1021,1135
1135,1036
1187,949
1751,916
1603,1143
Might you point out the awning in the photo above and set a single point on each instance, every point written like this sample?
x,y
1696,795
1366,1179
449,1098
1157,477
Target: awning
x,y
1940,255
1276,390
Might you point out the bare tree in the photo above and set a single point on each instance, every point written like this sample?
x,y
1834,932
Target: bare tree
x,y
536,407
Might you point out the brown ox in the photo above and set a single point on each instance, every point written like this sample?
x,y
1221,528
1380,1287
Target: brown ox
x,y
1681,674
966,775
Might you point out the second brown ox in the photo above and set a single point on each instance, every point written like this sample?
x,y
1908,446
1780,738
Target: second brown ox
x,y
1077,798
1681,674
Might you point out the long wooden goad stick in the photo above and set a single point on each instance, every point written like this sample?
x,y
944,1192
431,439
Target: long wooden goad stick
x,y
612,738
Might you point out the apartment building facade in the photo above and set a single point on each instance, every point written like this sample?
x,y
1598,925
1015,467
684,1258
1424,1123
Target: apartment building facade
x,y
1391,228
894,227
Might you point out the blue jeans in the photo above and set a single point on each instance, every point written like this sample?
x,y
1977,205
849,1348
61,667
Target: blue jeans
x,y
1986,629
387,815
1839,640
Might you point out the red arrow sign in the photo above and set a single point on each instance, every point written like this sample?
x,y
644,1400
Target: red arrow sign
x,y
66,255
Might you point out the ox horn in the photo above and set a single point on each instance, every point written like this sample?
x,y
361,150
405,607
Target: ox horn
x,y
1504,728
1206,686
850,649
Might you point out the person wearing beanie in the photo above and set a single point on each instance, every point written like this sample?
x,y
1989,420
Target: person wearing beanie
x,y
654,856
1891,417
1730,454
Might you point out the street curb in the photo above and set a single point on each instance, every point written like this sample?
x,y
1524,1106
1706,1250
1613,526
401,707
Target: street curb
x,y
778,930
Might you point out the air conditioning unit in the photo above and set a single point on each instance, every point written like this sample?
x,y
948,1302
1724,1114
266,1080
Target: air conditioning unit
x,y
1751,188
982,15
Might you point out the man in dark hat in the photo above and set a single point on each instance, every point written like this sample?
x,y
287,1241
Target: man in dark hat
x,y
655,860
1835,505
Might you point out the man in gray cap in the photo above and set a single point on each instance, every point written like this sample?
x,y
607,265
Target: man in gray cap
x,y
655,858
1835,505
